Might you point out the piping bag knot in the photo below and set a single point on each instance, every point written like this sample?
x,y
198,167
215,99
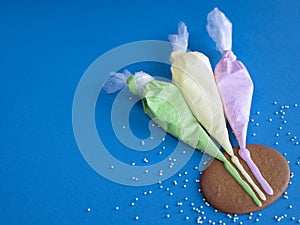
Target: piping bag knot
x,y
228,54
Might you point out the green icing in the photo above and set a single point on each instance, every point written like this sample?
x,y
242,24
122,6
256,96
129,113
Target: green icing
x,y
132,85
164,103
234,173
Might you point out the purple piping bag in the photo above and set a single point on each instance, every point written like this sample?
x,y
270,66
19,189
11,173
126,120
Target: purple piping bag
x,y
235,88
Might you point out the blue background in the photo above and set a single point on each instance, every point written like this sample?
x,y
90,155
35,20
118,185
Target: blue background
x,y
45,47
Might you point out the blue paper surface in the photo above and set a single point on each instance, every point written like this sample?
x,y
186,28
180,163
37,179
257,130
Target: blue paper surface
x,y
46,48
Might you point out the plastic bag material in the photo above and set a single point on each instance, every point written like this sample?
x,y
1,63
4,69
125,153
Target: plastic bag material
x,y
116,82
180,41
235,88
219,29
192,73
165,105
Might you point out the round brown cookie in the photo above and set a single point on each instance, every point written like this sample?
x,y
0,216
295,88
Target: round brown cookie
x,y
226,195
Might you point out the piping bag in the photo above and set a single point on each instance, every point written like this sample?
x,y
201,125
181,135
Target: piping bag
x,y
235,87
193,75
164,103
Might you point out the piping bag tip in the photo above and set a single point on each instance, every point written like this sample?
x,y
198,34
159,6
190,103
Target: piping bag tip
x,y
271,192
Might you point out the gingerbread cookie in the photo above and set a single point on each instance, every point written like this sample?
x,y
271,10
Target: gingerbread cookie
x,y
223,192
